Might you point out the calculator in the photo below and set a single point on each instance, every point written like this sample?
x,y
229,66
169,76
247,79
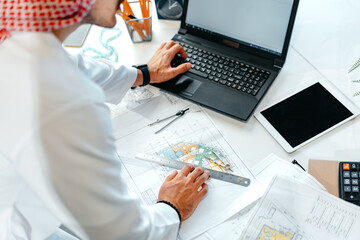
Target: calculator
x,y
349,181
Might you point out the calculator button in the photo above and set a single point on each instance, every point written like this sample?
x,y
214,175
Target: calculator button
x,y
354,166
346,166
354,175
354,181
346,174
347,189
355,189
353,197
347,181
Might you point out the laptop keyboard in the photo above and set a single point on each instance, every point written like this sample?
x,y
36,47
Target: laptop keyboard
x,y
223,70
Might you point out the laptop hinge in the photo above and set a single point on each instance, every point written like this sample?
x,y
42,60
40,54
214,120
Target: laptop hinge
x,y
278,63
182,31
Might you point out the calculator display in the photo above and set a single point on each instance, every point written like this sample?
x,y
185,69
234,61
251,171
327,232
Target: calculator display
x,y
306,114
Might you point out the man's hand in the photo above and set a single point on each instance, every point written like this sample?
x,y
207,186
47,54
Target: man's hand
x,y
159,65
185,189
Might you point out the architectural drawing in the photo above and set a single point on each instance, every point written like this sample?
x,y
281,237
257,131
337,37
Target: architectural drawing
x,y
194,139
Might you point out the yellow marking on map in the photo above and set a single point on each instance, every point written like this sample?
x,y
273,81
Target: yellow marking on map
x,y
268,233
185,148
215,165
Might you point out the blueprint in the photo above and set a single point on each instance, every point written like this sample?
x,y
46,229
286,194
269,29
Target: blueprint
x,y
264,172
273,223
193,138
292,210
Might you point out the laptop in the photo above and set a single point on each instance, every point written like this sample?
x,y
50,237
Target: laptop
x,y
236,48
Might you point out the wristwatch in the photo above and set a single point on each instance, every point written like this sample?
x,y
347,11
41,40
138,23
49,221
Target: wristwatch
x,y
145,72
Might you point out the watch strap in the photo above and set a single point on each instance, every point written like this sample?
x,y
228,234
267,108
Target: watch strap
x,y
145,72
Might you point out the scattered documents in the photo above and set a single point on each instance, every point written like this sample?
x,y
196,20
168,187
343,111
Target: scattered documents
x,y
292,210
194,138
294,206
264,172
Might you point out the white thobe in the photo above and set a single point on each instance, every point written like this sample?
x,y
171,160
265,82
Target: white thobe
x,y
58,160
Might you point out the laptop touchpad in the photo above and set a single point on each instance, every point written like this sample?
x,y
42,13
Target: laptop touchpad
x,y
187,86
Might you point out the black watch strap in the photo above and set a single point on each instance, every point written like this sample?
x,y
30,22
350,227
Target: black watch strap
x,y
145,72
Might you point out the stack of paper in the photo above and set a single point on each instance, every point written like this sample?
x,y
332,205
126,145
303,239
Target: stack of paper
x,y
294,207
264,172
292,210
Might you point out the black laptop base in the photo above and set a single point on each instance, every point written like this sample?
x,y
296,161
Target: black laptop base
x,y
235,94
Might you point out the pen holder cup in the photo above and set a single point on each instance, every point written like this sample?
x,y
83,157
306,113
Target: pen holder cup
x,y
140,29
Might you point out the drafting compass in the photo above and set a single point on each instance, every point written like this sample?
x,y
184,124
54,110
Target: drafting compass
x,y
176,116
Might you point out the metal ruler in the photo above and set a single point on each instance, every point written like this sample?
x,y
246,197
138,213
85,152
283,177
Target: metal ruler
x,y
227,177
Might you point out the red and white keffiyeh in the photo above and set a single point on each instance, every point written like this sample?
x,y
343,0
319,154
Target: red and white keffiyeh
x,y
40,15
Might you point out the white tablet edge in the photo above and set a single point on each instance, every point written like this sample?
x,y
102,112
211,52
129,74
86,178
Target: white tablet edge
x,y
333,90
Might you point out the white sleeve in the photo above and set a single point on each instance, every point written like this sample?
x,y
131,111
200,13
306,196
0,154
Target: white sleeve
x,y
83,168
115,79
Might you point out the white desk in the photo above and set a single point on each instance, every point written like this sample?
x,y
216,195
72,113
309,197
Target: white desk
x,y
327,34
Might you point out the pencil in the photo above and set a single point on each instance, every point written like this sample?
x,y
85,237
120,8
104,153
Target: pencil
x,y
145,10
127,8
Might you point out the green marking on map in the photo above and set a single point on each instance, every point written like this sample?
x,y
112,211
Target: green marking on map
x,y
196,154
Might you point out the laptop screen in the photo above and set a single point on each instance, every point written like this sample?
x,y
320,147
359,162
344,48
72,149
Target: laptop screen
x,y
260,24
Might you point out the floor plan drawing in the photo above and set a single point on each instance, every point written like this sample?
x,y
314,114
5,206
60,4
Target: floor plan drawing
x,y
291,210
194,138
275,224
332,219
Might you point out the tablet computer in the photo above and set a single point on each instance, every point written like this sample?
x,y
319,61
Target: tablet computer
x,y
306,115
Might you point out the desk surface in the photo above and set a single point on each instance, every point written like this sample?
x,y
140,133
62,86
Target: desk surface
x,y
322,47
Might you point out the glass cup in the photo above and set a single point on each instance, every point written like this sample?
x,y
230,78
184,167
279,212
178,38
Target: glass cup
x,y
139,28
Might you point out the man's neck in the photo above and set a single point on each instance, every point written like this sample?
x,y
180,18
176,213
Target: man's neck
x,y
63,33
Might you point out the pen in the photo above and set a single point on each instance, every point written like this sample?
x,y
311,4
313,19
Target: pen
x,y
131,20
132,16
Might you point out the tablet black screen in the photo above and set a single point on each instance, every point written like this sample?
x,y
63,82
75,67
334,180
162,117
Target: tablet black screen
x,y
306,114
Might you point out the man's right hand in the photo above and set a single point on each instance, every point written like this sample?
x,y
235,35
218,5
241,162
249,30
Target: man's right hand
x,y
185,189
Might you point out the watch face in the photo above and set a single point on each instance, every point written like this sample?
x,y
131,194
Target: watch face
x,y
169,9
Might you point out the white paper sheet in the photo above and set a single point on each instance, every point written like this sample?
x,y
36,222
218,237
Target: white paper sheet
x,y
292,210
264,172
272,165
233,227
196,133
